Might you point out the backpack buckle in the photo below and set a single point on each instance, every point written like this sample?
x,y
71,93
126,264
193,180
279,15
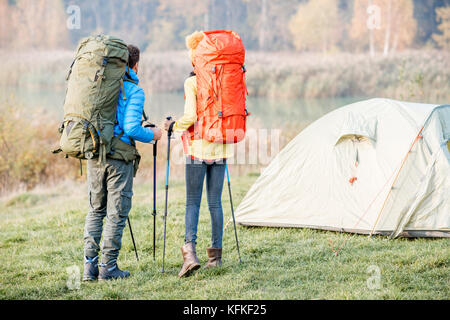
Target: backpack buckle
x,y
61,127
85,126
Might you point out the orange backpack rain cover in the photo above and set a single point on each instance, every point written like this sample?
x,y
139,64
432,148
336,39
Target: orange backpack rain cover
x,y
221,88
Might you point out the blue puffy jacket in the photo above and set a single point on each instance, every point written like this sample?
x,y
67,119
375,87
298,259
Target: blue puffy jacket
x,y
129,112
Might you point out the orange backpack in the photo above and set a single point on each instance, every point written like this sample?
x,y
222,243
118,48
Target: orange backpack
x,y
221,88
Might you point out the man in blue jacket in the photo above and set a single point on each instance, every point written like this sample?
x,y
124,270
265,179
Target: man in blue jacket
x,y
111,185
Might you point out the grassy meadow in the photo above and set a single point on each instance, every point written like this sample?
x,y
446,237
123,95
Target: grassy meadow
x,y
42,235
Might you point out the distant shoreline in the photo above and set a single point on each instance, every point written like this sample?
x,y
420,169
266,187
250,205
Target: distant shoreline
x,y
416,75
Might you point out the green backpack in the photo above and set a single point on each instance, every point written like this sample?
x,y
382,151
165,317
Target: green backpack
x,y
94,81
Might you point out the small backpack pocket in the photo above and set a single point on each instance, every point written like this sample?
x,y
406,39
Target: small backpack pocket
x,y
79,139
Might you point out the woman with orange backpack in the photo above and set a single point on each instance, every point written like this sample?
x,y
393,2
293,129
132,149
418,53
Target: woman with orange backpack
x,y
206,148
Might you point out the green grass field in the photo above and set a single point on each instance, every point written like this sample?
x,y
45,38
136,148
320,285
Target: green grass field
x,y
42,235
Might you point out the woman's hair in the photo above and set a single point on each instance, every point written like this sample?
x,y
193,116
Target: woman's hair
x,y
133,55
192,42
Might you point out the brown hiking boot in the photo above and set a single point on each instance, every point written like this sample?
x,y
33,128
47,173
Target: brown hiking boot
x,y
214,257
191,262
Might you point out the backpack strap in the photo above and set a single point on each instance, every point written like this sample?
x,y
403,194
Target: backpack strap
x,y
100,76
70,69
83,136
133,143
127,79
123,90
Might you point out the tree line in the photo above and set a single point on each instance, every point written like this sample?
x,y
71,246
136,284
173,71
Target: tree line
x,y
267,25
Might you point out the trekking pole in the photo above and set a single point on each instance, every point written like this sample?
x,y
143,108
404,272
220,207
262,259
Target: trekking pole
x,y
232,212
169,135
129,223
154,199
132,238
155,148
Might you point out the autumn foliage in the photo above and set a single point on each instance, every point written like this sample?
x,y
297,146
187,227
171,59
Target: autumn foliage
x,y
443,37
33,24
26,141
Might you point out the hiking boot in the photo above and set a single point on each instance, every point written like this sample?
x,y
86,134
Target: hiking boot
x,y
191,262
112,273
90,269
214,257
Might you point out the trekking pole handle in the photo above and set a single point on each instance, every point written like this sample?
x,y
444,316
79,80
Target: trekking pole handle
x,y
151,125
170,130
144,117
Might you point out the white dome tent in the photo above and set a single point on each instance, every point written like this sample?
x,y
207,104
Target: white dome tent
x,y
374,167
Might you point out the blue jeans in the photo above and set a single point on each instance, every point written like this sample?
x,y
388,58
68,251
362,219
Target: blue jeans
x,y
195,175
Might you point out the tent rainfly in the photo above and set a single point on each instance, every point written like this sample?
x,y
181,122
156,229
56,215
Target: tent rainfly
x,y
373,167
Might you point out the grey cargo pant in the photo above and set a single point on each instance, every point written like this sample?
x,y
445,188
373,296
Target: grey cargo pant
x,y
110,191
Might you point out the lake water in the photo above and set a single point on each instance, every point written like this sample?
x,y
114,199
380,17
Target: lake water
x,y
267,113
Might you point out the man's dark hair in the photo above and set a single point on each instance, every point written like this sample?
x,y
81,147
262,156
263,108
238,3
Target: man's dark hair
x,y
133,55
